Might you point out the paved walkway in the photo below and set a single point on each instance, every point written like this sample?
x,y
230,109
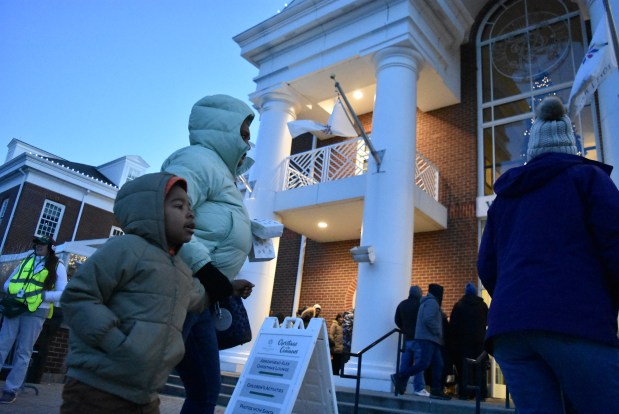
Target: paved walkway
x,y
50,398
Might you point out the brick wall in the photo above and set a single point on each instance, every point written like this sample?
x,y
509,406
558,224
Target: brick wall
x,y
57,352
286,273
95,223
329,275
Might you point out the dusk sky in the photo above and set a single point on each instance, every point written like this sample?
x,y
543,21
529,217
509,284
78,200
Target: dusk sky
x,y
94,80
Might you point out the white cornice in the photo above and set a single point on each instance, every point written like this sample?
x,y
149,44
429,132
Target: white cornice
x,y
65,175
310,40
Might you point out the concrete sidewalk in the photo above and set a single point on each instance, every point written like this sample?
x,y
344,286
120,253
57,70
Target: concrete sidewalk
x,y
49,399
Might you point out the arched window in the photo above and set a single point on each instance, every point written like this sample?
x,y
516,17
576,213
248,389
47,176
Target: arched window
x,y
526,49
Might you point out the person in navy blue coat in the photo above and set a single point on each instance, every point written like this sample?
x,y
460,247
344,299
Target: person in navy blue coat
x,y
549,257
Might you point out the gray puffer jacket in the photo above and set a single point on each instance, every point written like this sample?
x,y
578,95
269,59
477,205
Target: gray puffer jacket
x,y
125,306
430,321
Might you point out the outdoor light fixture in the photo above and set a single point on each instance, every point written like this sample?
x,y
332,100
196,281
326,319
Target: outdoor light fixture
x,y
363,254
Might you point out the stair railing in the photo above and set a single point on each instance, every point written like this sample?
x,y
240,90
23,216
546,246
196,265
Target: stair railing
x,y
478,364
359,356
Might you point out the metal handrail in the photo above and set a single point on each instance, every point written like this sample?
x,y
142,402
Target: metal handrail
x,y
478,364
359,356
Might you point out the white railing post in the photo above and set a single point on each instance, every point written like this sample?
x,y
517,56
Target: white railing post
x,y
326,166
436,184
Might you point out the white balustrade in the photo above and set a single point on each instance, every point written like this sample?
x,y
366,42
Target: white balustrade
x,y
343,160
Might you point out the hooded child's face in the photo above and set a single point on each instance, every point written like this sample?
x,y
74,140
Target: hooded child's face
x,y
179,218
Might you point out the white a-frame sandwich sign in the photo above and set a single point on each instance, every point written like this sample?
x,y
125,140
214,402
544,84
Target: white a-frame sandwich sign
x,y
288,371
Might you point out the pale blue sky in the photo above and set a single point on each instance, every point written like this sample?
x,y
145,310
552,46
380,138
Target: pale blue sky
x,y
93,80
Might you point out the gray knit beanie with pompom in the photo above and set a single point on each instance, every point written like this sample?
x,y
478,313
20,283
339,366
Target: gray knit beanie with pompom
x,y
552,130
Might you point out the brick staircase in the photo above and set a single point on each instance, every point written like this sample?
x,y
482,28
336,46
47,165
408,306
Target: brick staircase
x,y
370,402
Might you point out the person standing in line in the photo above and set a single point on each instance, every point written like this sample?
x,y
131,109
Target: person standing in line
x,y
37,283
406,320
311,312
126,304
347,327
549,257
467,324
336,337
219,141
428,342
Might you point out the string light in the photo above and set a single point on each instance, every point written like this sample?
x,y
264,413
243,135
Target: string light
x,y
73,170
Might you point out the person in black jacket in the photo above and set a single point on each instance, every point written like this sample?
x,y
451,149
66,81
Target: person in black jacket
x,y
406,319
467,325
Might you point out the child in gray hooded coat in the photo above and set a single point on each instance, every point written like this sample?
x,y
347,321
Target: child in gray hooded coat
x,y
126,304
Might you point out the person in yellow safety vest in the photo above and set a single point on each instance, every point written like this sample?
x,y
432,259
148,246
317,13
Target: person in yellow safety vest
x,y
37,282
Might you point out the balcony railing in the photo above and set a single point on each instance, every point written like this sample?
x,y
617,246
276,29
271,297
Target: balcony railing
x,y
343,160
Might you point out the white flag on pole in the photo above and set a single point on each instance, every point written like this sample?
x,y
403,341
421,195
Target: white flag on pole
x,y
338,125
598,63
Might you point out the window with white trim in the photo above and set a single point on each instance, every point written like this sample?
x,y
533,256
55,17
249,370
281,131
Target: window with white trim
x,y
50,219
526,50
116,231
5,204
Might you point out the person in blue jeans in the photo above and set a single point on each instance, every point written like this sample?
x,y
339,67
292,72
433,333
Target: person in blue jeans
x,y
549,257
406,319
427,346
37,282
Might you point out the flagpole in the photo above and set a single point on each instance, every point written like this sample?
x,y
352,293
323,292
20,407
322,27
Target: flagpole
x,y
378,155
610,18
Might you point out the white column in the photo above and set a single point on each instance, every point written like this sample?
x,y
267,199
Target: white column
x,y
272,147
388,213
608,94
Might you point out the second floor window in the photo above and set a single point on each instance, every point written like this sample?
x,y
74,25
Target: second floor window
x,y
49,221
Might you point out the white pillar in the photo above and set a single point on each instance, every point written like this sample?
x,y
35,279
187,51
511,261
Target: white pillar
x,y
272,147
388,213
608,94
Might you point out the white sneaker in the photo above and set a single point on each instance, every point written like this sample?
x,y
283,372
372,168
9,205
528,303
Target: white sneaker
x,y
422,393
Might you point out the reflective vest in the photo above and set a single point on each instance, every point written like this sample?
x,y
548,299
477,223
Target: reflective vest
x,y
28,286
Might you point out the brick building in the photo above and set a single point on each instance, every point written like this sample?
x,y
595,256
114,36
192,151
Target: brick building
x,y
45,195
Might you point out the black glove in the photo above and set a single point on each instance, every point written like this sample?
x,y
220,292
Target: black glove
x,y
215,283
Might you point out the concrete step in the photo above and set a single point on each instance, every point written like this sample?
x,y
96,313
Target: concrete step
x,y
380,402
370,402
174,387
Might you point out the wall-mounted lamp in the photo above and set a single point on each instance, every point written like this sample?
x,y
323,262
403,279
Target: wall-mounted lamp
x,y
363,254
